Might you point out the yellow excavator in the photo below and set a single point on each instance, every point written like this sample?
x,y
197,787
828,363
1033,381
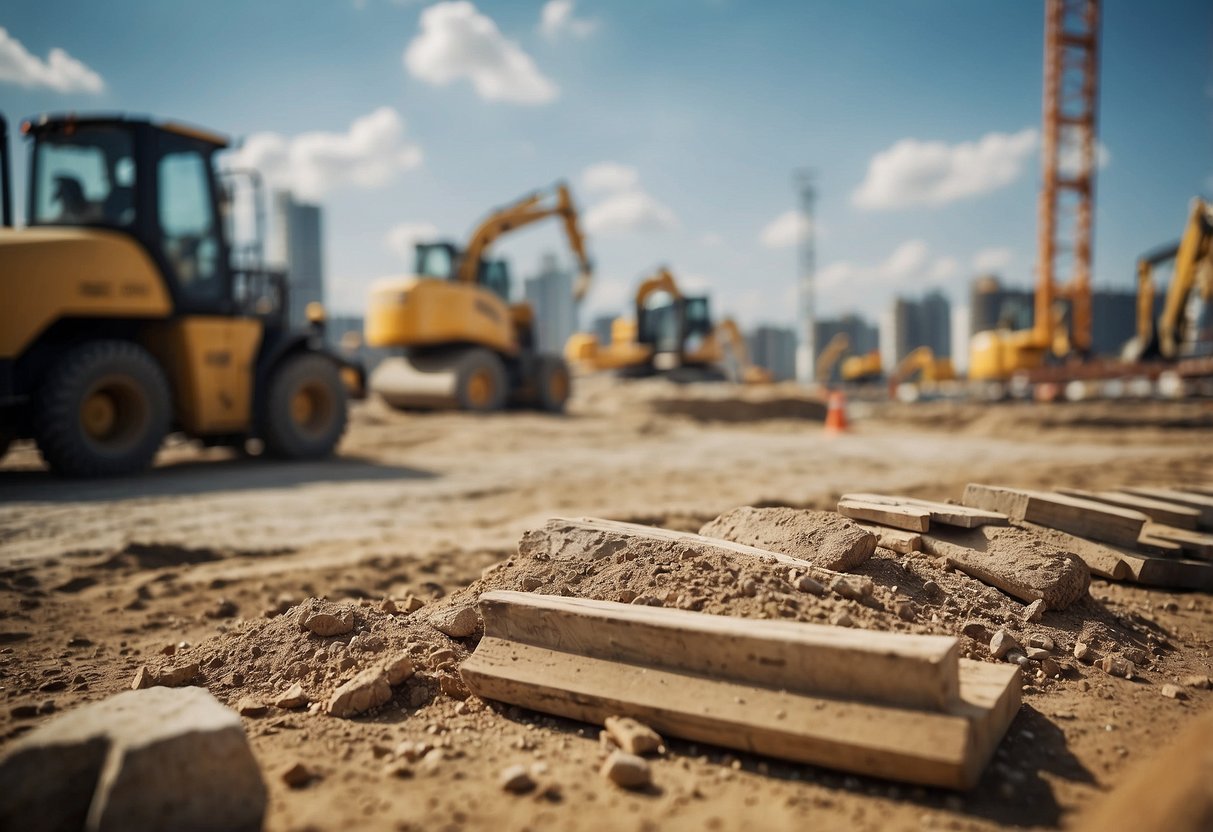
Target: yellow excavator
x,y
921,362
126,314
855,369
676,338
1193,257
461,342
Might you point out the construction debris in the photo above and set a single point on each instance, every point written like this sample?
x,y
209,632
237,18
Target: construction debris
x,y
946,513
909,518
627,770
1085,518
141,760
822,538
632,736
808,693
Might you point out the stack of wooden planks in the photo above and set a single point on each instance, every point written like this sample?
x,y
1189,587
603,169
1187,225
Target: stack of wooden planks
x,y
903,707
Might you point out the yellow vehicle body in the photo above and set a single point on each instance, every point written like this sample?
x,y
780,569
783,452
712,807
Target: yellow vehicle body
x,y
51,273
857,368
997,354
422,311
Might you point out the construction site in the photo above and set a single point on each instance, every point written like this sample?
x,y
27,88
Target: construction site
x,y
602,548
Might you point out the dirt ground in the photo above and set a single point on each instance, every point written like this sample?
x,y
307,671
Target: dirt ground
x,y
204,559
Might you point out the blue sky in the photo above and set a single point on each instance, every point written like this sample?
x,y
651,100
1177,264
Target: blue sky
x,y
678,123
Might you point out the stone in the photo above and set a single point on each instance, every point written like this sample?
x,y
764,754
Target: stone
x,y
144,678
369,689
398,670
412,604
632,736
327,625
453,686
455,621
1198,682
854,587
1117,666
1083,652
155,758
627,770
1034,611
293,698
976,631
1001,643
251,707
1037,653
1173,692
1136,655
807,584
823,538
842,619
389,606
1050,667
297,776
905,610
175,677
516,780
443,657
1041,641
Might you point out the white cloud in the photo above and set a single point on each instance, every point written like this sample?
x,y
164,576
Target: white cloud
x,y
557,19
944,268
1070,154
59,72
368,155
402,238
609,177
457,42
907,260
788,229
627,206
914,172
993,259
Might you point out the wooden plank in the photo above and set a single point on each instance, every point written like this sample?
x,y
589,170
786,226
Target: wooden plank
x,y
1158,547
915,671
945,747
1199,501
898,540
1192,543
899,517
946,513
1085,518
1173,514
1118,564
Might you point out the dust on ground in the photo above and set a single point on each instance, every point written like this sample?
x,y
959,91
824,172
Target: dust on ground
x,y
210,559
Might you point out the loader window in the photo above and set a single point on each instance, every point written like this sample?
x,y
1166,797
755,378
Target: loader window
x,y
84,178
188,234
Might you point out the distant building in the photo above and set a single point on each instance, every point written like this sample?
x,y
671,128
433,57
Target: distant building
x,y
774,348
864,337
295,244
918,323
1113,320
993,306
550,293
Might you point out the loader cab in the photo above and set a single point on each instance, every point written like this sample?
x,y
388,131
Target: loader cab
x,y
671,326
442,260
155,182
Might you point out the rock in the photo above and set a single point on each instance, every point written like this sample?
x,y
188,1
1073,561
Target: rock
x,y
251,707
854,587
141,760
1083,652
453,686
1034,611
807,584
442,657
1037,653
1117,666
327,625
293,698
1001,643
1050,667
369,689
1198,682
389,606
1135,655
297,776
842,619
823,538
932,588
175,677
976,631
144,678
632,736
1173,692
455,621
517,780
904,610
1041,641
627,770
412,604
398,670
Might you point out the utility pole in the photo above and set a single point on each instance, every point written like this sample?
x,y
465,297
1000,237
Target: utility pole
x,y
806,346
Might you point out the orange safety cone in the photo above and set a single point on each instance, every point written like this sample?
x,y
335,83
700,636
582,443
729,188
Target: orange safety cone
x,y
836,413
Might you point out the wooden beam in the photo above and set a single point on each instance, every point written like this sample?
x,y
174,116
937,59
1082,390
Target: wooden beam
x,y
898,540
915,671
1198,500
1118,564
899,517
1192,543
946,747
1097,521
1173,514
946,513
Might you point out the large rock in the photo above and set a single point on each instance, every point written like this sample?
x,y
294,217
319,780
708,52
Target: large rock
x,y
150,759
822,538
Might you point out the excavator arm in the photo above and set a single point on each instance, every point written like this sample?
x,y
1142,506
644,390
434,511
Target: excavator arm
x,y
526,211
922,360
732,342
830,356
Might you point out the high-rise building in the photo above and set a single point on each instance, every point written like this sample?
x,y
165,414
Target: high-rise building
x,y
295,244
993,306
918,323
863,335
550,293
1113,320
774,348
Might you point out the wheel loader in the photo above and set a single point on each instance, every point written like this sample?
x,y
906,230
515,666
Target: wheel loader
x,y
459,341
125,315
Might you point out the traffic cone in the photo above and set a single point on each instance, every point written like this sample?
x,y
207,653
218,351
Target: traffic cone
x,y
836,413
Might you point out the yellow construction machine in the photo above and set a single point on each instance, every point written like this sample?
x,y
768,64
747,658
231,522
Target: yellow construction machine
x,y
125,315
855,369
676,337
922,363
1193,258
461,341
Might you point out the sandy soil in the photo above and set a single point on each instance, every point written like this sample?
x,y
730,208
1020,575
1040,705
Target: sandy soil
x,y
100,578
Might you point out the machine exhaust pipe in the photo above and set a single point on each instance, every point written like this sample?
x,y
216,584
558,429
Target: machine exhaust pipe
x,y
6,176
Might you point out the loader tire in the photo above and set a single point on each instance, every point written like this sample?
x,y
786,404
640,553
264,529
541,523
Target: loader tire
x,y
304,409
553,384
481,383
103,411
